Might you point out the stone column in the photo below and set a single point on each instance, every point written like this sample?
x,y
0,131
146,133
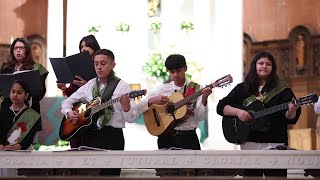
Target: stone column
x,y
54,41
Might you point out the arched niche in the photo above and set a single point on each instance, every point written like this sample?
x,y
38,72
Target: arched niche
x,y
299,38
39,48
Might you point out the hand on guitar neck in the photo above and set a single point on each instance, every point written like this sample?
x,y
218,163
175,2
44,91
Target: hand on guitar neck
x,y
205,93
292,109
125,102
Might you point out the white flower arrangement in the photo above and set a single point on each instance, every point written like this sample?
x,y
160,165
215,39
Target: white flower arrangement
x,y
123,27
187,25
155,24
14,136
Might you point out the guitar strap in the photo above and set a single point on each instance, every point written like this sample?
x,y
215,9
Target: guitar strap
x,y
106,95
266,96
191,88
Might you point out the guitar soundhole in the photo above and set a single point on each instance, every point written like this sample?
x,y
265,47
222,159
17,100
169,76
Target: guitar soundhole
x,y
250,122
170,109
87,113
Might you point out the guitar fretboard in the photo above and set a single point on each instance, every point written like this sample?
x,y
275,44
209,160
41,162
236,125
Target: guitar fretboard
x,y
104,105
270,110
188,99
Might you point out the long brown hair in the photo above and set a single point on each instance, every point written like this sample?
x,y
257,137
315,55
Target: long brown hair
x,y
28,62
91,42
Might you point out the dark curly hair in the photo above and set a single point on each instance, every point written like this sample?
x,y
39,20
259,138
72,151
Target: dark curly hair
x,y
27,63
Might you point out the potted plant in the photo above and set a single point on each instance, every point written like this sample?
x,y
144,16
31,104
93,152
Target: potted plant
x,y
155,68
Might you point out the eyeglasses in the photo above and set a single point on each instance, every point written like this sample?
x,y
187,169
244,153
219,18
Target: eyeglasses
x,y
22,48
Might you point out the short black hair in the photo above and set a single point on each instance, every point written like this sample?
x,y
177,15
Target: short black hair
x,y
105,52
175,61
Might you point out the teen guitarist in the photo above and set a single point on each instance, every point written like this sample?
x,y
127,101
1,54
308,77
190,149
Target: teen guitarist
x,y
184,134
261,87
106,132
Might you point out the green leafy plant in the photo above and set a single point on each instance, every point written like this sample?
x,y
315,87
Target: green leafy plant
x,y
186,25
123,27
156,68
61,145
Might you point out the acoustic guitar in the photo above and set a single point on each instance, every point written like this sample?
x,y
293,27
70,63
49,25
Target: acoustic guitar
x,y
160,119
237,132
88,114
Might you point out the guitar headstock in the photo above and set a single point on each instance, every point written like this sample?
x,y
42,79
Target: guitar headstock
x,y
308,99
137,93
224,81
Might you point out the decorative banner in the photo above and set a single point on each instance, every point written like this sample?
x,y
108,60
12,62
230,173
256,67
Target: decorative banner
x,y
51,118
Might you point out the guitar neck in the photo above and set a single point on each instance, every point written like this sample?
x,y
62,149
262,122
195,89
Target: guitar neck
x,y
105,105
188,99
270,110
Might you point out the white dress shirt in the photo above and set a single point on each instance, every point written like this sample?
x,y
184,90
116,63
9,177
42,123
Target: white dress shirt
x,y
317,107
119,117
167,90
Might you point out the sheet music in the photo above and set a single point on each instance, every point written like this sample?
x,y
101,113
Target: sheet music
x,y
66,68
31,77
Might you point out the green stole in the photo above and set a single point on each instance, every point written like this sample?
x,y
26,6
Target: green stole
x,y
266,96
25,122
108,112
40,68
